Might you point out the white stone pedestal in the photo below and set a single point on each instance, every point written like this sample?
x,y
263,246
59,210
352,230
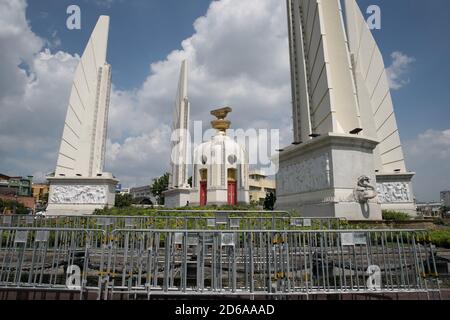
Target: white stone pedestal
x,y
395,192
176,198
319,178
80,195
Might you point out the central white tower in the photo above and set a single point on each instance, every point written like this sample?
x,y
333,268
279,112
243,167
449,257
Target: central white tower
x,y
178,194
180,133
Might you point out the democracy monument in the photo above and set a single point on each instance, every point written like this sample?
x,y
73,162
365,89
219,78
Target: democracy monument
x,y
345,163
346,158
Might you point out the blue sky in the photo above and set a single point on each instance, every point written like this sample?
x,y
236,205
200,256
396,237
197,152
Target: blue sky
x,y
418,29
238,50
140,31
146,31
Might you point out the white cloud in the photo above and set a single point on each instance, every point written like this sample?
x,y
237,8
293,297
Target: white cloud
x,y
238,56
18,44
34,85
401,64
31,122
428,156
104,3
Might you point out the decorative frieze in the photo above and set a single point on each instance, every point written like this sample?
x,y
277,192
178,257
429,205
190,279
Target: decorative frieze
x,y
78,194
394,192
309,175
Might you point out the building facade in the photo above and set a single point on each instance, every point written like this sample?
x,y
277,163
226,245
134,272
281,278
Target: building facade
x,y
142,195
429,209
40,191
445,198
17,189
20,186
259,186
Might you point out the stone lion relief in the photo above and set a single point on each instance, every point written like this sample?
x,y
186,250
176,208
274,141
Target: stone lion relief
x,y
78,195
309,175
364,191
391,192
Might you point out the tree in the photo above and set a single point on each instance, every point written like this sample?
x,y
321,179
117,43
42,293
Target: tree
x,y
13,206
160,185
269,201
444,211
123,200
44,199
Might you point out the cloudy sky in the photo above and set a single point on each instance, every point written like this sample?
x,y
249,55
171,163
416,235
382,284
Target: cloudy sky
x,y
238,52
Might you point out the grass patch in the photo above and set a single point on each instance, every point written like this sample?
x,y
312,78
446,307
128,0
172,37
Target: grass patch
x,y
441,238
126,211
395,216
134,211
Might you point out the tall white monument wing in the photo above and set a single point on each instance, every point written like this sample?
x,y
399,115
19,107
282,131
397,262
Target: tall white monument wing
x,y
377,111
181,129
299,78
323,88
82,148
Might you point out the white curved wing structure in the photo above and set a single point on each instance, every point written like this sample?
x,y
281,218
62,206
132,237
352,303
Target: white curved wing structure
x,y
324,95
82,149
181,129
374,97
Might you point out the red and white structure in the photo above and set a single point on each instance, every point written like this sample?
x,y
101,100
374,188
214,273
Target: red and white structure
x,y
220,170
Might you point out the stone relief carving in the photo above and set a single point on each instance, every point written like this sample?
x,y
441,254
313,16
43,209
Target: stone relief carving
x,y
364,191
392,192
73,194
309,175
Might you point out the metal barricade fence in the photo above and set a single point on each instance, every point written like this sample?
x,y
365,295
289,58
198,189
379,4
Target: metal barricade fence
x,y
269,263
52,258
219,221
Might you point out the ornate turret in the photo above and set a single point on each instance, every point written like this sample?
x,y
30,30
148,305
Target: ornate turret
x,y
221,123
220,169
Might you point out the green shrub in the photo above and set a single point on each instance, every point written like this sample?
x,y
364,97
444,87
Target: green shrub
x,y
442,222
395,216
133,211
123,200
11,204
441,238
126,211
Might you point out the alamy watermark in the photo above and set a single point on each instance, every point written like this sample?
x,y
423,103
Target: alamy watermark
x,y
73,21
73,280
256,147
374,280
374,19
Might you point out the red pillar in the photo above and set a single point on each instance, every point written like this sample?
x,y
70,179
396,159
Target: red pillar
x,y
203,193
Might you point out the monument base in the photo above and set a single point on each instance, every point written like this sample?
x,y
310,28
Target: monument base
x,y
80,195
329,176
176,198
395,192
219,197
